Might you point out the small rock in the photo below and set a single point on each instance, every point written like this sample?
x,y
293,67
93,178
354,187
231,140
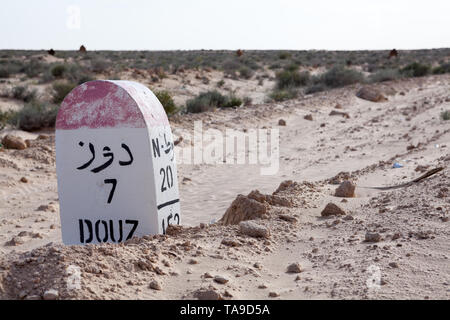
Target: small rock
x,y
253,229
207,294
294,268
155,285
33,297
22,294
13,142
393,264
396,236
24,180
51,294
42,137
281,122
345,190
338,113
15,241
177,142
287,218
372,237
332,210
348,217
28,143
193,261
273,294
207,275
230,242
46,207
308,117
228,294
221,279
262,286
370,94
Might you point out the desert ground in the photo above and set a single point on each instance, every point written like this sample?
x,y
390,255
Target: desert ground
x,y
378,244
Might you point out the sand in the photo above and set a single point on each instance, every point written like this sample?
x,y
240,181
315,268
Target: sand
x,y
408,261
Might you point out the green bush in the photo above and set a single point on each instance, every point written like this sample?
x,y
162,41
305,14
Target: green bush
x,y
283,94
33,68
232,101
61,90
384,75
99,65
58,70
318,87
284,55
291,79
211,99
443,68
246,72
445,115
339,77
78,74
292,67
5,117
166,101
23,93
4,72
34,116
416,69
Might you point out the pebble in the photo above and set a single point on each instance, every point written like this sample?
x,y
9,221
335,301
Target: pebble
x,y
372,237
273,294
332,210
51,294
294,268
345,190
155,285
207,294
221,279
253,229
393,265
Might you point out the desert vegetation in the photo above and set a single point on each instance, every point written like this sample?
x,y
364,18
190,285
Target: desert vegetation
x,y
210,100
290,74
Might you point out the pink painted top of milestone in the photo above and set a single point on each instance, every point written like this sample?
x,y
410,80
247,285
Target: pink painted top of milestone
x,y
110,104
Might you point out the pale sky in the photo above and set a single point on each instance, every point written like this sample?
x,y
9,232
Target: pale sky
x,y
226,24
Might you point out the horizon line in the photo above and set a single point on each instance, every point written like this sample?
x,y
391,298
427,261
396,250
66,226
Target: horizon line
x,y
203,49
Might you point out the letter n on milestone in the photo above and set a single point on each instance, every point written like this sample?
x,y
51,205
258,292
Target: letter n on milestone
x,y
115,162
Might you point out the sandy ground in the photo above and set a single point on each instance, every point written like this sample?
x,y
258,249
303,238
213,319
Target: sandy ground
x,y
409,260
